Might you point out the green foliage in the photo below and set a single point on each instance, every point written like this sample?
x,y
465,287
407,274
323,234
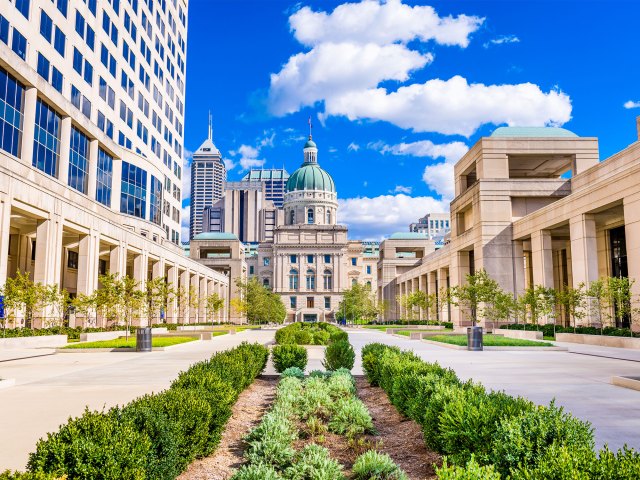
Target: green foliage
x,y
372,465
350,417
303,333
479,289
8,475
339,354
313,462
95,445
286,356
256,472
293,372
258,303
471,471
359,303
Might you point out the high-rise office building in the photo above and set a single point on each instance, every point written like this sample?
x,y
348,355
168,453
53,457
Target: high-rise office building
x,y
208,176
91,142
274,180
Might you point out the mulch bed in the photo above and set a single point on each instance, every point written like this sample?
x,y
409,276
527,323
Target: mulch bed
x,y
252,404
401,438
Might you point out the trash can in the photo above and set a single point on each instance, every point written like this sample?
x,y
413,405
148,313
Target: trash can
x,y
474,339
143,339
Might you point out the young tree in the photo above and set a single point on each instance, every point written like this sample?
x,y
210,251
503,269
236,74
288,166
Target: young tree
x,y
85,306
21,294
572,301
106,299
479,289
214,304
359,304
52,299
132,301
159,294
598,302
619,289
536,302
194,303
258,303
432,306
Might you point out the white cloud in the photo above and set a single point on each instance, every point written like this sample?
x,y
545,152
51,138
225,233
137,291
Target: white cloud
x,y
502,40
381,22
402,189
358,46
373,218
439,178
454,106
353,147
631,104
248,157
187,157
335,69
229,164
184,223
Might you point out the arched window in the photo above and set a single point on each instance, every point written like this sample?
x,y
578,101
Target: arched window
x,y
310,216
292,217
328,217
328,280
293,279
354,282
311,280
369,285
265,282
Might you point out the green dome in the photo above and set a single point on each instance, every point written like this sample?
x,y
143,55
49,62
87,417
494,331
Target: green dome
x,y
310,177
310,144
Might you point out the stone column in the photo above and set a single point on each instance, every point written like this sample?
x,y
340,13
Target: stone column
x,y
631,207
88,256
116,184
65,149
431,289
193,312
93,169
48,263
172,307
584,249
141,268
204,292
29,124
184,286
5,227
118,260
444,306
542,258
518,267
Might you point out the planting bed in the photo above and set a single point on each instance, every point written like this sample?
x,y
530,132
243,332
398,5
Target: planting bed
x,y
131,343
489,341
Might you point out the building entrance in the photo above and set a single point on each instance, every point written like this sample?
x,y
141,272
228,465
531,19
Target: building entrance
x,y
618,247
310,317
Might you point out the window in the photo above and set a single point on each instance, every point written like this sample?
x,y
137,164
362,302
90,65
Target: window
x,y
104,178
128,55
250,269
265,282
327,259
4,30
292,217
62,5
127,85
23,7
126,114
11,100
293,258
311,279
310,216
43,67
56,79
59,41
327,303
309,258
72,259
310,302
266,261
369,284
19,44
80,101
105,124
155,201
293,302
368,269
109,28
79,161
46,26
133,200
354,282
107,93
102,266
293,279
328,217
328,280
46,140
108,61
354,261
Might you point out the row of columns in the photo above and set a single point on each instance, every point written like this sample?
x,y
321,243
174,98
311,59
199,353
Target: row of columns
x,y
429,282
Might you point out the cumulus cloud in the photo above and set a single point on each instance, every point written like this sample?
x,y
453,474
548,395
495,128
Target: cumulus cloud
x,y
439,176
382,23
248,157
372,218
353,147
402,189
184,222
502,40
187,158
454,106
357,47
631,104
229,164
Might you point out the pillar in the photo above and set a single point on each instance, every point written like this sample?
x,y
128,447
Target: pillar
x,y
29,124
193,312
93,169
88,256
172,307
116,184
141,268
542,258
203,293
65,149
48,263
118,260
183,313
584,249
631,207
519,280
444,305
5,230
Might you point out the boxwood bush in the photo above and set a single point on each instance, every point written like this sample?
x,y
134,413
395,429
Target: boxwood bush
x,y
303,333
339,354
155,436
477,429
287,356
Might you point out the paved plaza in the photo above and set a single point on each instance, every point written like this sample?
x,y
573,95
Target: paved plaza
x,y
49,389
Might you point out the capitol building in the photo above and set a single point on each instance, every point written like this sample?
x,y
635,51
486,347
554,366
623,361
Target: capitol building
x,y
304,254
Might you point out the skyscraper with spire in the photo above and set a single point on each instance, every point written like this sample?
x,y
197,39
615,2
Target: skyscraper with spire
x,y
208,176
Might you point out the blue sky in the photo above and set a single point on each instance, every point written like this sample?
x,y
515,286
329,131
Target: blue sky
x,y
397,91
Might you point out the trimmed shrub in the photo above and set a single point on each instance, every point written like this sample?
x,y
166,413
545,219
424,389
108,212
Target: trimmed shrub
x,y
313,462
302,333
472,471
372,465
95,445
339,354
321,337
256,472
8,475
286,356
304,337
350,417
293,372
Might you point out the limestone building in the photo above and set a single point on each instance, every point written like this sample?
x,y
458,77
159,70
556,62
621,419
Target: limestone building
x,y
533,206
432,224
91,143
308,259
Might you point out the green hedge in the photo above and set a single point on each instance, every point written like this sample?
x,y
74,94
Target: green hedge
x,y
302,333
548,330
469,424
339,354
155,436
288,356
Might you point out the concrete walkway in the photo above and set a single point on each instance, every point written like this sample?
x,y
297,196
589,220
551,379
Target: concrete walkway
x,y
580,383
50,389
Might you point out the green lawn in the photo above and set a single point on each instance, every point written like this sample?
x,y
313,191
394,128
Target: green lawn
x,y
489,341
131,342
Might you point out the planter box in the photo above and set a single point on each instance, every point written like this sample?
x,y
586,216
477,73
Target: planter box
x,y
186,328
500,349
97,336
156,330
626,382
599,340
44,341
522,334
